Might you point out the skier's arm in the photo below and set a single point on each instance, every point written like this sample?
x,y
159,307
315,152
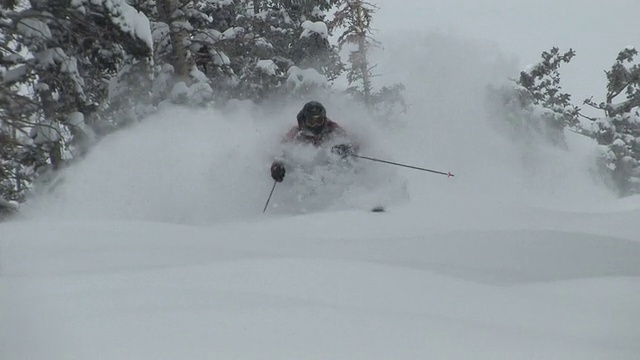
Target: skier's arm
x,y
348,146
278,165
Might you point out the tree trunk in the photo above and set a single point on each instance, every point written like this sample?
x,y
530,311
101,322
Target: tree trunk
x,y
362,49
16,174
55,155
181,58
364,68
49,111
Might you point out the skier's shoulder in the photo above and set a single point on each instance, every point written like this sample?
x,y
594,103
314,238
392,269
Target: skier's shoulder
x,y
334,126
292,133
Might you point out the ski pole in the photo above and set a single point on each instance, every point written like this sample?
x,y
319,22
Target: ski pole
x,y
269,198
403,165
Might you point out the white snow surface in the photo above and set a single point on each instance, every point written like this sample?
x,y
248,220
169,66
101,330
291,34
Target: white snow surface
x,y
156,247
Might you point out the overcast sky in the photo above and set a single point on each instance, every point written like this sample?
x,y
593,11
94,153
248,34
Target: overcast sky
x,y
596,29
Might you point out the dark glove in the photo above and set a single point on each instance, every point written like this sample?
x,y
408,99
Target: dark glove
x,y
343,150
277,171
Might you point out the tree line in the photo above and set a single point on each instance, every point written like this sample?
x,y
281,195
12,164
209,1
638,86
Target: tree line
x,y
75,71
534,106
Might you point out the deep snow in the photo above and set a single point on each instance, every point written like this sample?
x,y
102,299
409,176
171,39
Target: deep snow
x,y
156,247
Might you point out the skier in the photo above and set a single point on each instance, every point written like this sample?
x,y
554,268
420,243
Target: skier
x,y
314,128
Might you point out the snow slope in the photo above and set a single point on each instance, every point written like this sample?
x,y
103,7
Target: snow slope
x,y
156,247
374,286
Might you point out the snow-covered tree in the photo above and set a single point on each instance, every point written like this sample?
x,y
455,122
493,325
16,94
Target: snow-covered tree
x,y
18,109
355,17
215,32
311,48
618,131
534,105
57,60
250,50
239,49
179,28
280,48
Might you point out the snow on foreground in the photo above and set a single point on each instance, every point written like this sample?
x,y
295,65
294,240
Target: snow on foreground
x,y
453,274
370,286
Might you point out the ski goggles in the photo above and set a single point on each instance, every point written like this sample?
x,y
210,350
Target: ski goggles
x,y
315,121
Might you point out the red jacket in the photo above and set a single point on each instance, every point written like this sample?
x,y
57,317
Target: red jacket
x,y
330,131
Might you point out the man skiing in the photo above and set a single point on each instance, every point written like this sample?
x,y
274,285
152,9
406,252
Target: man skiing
x,y
315,129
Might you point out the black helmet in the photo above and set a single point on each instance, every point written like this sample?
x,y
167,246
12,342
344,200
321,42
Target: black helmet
x,y
312,117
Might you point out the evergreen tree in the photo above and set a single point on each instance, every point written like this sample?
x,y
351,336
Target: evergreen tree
x,y
355,16
253,46
618,132
283,48
56,60
175,25
310,48
534,104
18,109
214,35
